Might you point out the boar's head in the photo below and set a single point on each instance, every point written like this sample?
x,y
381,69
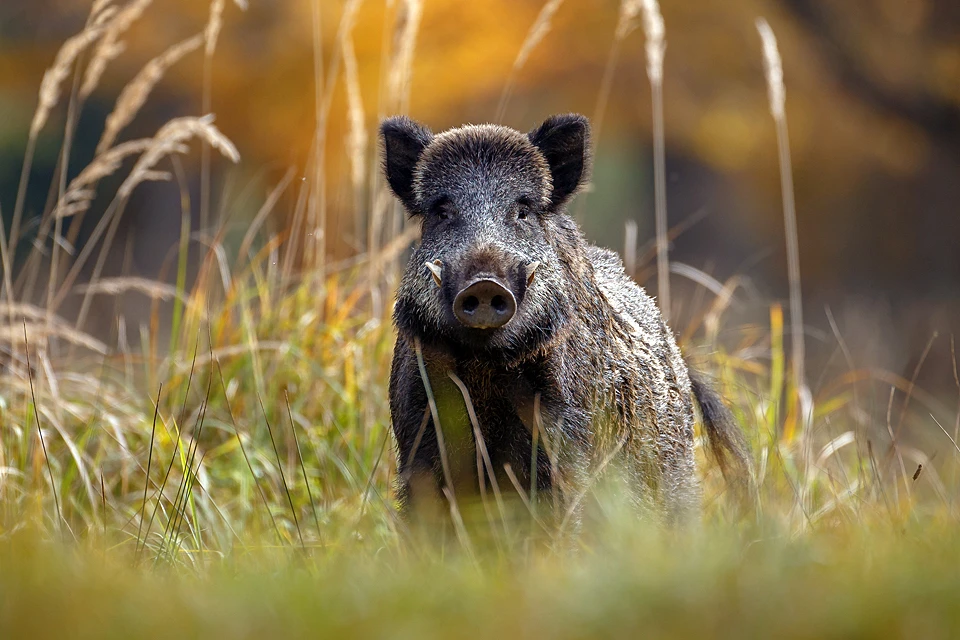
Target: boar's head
x,y
487,274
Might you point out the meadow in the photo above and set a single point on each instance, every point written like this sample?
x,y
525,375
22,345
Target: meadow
x,y
231,473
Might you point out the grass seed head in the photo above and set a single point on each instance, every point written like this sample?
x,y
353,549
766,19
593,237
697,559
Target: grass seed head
x,y
773,68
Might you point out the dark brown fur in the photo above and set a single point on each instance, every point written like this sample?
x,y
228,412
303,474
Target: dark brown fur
x,y
587,365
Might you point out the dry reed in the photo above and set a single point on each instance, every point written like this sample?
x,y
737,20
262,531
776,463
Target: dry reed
x,y
111,46
215,22
777,97
49,97
63,65
315,253
656,45
626,23
81,190
115,286
653,28
630,247
135,94
394,98
13,335
98,6
357,133
398,87
170,139
773,68
211,34
538,31
6,261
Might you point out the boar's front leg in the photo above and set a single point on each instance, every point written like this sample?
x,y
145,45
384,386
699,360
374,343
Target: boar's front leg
x,y
419,471
562,455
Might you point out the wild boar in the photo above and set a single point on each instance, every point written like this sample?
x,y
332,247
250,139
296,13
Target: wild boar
x,y
513,329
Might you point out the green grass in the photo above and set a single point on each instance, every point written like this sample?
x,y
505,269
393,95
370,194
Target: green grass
x,y
295,531
232,476
832,584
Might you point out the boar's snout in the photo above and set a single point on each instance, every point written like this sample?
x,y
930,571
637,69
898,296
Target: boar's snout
x,y
484,304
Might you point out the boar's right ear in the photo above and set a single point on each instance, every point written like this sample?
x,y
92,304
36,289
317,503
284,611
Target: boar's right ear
x,y
564,140
403,142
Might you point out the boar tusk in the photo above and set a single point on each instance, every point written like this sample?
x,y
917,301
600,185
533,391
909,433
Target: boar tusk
x,y
531,270
436,269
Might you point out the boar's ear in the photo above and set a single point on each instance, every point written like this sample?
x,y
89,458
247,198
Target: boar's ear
x,y
564,140
403,142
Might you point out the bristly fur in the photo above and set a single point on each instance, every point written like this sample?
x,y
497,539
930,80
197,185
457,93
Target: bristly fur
x,y
587,347
727,442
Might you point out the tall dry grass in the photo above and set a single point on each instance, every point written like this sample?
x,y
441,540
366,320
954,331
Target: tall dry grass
x,y
537,32
654,30
773,67
249,412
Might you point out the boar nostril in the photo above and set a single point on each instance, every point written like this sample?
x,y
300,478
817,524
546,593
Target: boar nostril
x,y
484,304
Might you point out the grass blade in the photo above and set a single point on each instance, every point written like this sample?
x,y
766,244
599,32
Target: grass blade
x,y
146,482
283,479
303,469
43,445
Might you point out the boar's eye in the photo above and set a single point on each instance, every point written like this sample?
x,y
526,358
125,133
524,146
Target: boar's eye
x,y
441,208
524,208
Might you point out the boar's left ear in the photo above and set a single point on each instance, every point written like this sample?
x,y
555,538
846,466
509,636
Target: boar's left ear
x,y
564,140
403,142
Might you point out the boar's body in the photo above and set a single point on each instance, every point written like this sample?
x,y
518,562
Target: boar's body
x,y
555,344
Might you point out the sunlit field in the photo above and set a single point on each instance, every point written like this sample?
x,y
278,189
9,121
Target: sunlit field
x,y
226,467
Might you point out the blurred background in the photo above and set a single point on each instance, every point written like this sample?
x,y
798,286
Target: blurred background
x,y
873,103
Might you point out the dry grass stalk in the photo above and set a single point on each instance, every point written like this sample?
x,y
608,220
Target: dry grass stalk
x,y
6,263
630,247
627,20
49,97
82,189
777,96
626,23
305,200
21,310
654,30
215,22
110,46
63,65
408,26
775,87
266,208
171,139
773,67
314,253
135,94
357,136
211,34
98,6
394,98
538,31
13,335
79,195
